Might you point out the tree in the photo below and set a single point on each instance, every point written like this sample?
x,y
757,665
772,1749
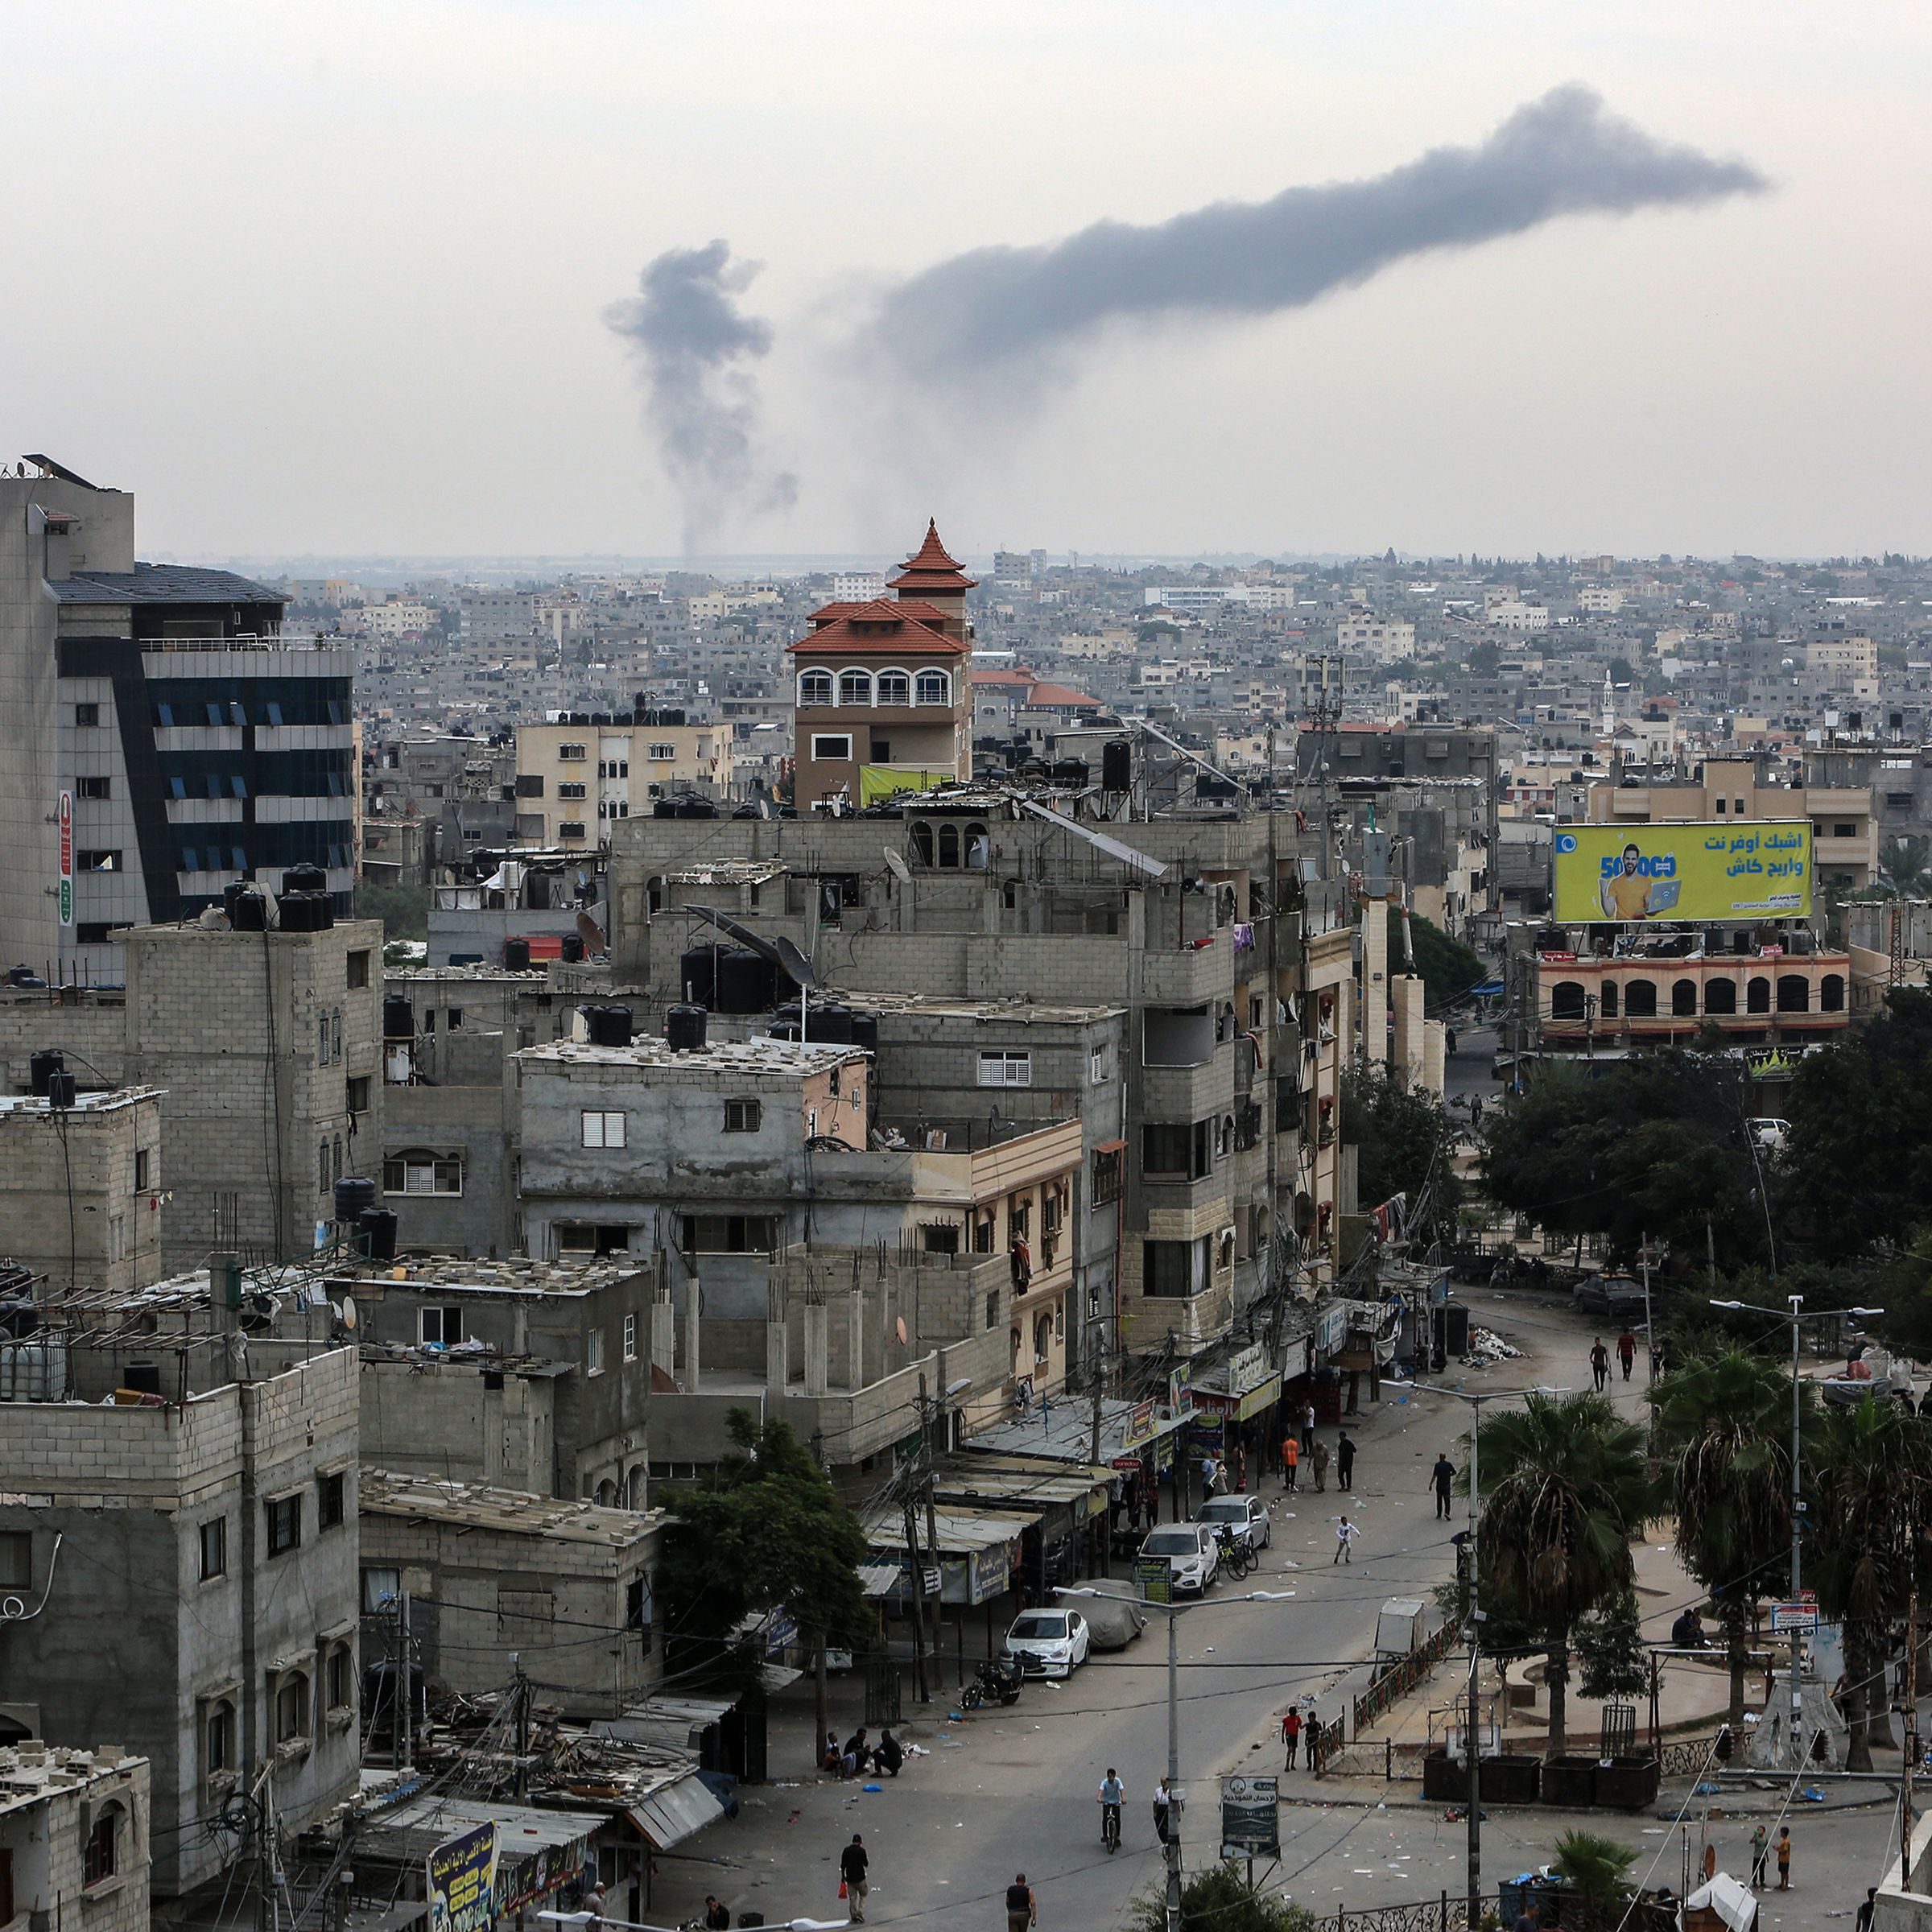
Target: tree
x,y
1405,1146
1597,1869
1485,657
768,1533
1564,1491
1610,1650
1218,1899
1726,1421
1874,1502
403,910
1904,869
1450,970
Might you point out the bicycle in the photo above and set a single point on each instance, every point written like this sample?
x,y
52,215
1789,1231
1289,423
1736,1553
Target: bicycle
x,y
1237,1553
1110,1827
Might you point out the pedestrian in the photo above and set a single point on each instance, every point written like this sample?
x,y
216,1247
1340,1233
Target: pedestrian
x,y
1760,1851
1599,1365
1240,1468
1163,1809
717,1915
1210,1479
1321,1466
1449,1039
1291,1462
1530,1919
1291,1734
1863,1922
1345,1533
1022,1908
852,1886
1442,1476
856,1752
1344,1461
1476,1110
832,1759
593,1906
1308,1429
1626,1351
887,1754
1784,1858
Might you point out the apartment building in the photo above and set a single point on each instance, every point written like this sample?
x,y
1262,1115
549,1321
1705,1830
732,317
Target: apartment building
x,y
1367,634
74,1829
82,1193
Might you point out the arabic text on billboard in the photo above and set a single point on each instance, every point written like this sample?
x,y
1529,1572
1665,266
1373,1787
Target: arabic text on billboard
x,y
1708,871
462,1882
1250,1821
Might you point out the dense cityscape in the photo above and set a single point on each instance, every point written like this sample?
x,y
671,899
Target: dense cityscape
x,y
727,1235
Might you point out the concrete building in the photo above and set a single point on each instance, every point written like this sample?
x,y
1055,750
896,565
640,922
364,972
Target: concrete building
x,y
577,773
265,1048
193,1554
536,903
82,1194
488,1572
74,1828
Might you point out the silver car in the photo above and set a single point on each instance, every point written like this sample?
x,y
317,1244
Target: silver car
x,y
1247,1515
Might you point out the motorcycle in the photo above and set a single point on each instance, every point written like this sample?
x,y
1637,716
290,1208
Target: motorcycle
x,y
996,1681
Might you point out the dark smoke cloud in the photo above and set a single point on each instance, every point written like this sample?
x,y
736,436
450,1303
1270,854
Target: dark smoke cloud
x,y
996,309
695,346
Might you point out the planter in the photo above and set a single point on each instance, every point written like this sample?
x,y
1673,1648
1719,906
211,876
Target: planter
x,y
1445,1779
1570,1781
1627,1784
1511,1781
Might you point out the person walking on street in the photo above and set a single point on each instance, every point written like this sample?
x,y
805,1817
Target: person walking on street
x,y
1345,1533
1442,1476
1163,1809
1291,1734
1321,1467
1626,1351
1290,1440
852,1862
1599,1365
1784,1858
1308,1429
1291,1462
1760,1851
1344,1461
1863,1922
1022,1907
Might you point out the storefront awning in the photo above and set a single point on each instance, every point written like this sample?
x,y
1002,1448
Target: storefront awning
x,y
672,1813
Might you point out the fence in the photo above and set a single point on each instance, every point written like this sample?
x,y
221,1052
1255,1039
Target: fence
x,y
1428,1915
1400,1677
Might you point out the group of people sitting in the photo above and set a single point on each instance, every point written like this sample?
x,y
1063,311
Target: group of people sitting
x,y
857,1754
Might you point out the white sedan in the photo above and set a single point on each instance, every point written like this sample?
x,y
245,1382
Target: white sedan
x,y
1247,1515
1048,1643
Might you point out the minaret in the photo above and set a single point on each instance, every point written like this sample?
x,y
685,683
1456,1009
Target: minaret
x,y
932,576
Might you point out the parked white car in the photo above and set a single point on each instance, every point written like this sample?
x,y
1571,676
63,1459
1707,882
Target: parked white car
x,y
1768,1132
1048,1643
1247,1515
1189,1551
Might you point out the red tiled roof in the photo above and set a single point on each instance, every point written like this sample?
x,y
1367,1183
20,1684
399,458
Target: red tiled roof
x,y
931,566
1004,679
881,629
911,607
1060,697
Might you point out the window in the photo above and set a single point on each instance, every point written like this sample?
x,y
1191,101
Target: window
x,y
814,688
418,1170
97,1863
934,687
949,846
1844,832
637,1605
571,754
662,754
530,785
573,791
1006,1067
330,1504
339,1685
895,687
630,1338
358,1093
1567,1000
598,1129
144,1169
291,1708
825,746
357,973
855,687
922,843
284,1524
1172,1269
593,1351
93,788
456,1020
742,1116
220,1750
589,1238
108,860
729,1233
570,828
381,1590
940,1238
86,714
1107,1177
1177,1151
16,1559
321,1039
1639,1000
443,1325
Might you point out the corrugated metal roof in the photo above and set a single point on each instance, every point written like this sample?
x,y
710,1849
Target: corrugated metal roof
x,y
162,584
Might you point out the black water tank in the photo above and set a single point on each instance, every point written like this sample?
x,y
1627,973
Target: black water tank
x,y
353,1193
782,1029
663,808
305,911
232,894
1070,774
41,1067
249,911
398,1018
1116,765
60,1090
376,1226
694,974
304,879
746,982
571,952
684,1028
608,1025
866,1031
831,1026
696,808
516,955
145,1376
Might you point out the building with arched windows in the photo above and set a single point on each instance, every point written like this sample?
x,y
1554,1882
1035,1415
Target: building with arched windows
x,y
883,690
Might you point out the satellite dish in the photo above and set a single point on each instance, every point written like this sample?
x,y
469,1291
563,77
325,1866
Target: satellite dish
x,y
347,1313
897,867
899,1328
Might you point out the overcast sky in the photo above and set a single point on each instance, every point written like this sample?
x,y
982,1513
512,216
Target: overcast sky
x,y
341,278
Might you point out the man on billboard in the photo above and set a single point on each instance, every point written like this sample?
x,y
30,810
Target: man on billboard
x,y
1625,893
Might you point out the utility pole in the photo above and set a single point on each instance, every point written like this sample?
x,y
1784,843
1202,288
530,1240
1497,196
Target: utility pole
x,y
1905,1808
919,1602
1171,1851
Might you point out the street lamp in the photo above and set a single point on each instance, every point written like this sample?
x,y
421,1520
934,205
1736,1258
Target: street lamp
x,y
1171,1849
1476,1399
1793,1313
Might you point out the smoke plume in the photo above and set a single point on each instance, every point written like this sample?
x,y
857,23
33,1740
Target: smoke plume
x,y
695,347
1002,310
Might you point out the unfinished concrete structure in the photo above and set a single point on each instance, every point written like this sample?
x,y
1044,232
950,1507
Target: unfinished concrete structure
x,y
82,1196
74,1827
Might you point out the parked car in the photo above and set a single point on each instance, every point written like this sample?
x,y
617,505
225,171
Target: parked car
x,y
1247,1515
1112,1623
1048,1643
1611,1297
1189,1551
1768,1133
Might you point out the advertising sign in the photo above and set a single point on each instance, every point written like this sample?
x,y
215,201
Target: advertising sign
x,y
67,858
1140,1427
1248,1369
1787,1617
462,1882
1180,1395
1250,1821
1708,871
1153,1579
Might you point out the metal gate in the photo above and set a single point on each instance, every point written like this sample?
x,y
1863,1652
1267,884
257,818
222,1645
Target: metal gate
x,y
883,1689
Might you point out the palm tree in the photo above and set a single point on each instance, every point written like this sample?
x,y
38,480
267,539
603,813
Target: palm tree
x,y
1725,1421
1874,1484
1564,1491
1904,869
1597,1870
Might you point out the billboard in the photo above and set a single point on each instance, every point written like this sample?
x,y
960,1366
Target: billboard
x,y
67,858
462,1882
1709,871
